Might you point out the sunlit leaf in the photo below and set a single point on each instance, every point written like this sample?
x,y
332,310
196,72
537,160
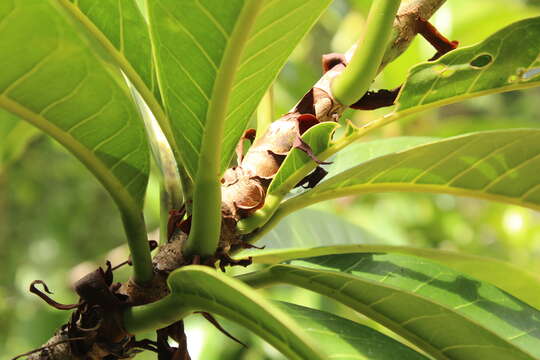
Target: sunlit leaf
x,y
360,152
309,228
446,313
507,60
345,339
200,288
516,281
495,165
58,83
124,26
191,40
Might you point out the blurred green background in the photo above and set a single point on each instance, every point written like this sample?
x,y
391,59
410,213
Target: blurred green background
x,y
57,223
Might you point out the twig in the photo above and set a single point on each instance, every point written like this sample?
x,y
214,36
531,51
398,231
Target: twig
x,y
320,102
59,342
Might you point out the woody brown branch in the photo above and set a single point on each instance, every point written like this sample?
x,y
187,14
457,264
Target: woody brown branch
x,y
244,186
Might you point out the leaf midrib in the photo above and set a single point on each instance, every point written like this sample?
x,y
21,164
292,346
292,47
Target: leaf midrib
x,y
401,187
116,189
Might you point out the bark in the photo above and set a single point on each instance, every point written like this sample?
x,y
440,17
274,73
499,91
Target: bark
x,y
244,186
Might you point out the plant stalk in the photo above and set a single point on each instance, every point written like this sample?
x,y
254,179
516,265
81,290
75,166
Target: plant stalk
x,y
206,222
355,80
138,247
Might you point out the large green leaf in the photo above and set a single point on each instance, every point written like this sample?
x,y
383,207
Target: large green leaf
x,y
309,228
507,60
360,152
345,339
59,83
191,40
124,27
510,278
15,135
446,313
123,33
200,288
497,165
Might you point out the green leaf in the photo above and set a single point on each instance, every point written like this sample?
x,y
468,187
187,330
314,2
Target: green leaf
x,y
507,60
123,33
124,26
345,339
495,165
200,288
57,82
15,135
191,38
510,278
446,313
360,152
309,228
318,137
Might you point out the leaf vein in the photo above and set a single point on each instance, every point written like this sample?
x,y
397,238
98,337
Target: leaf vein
x,y
69,95
508,171
84,121
213,19
443,159
38,65
481,159
205,96
191,36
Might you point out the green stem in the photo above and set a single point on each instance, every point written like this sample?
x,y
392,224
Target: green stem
x,y
265,112
156,315
355,80
206,222
137,239
261,216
